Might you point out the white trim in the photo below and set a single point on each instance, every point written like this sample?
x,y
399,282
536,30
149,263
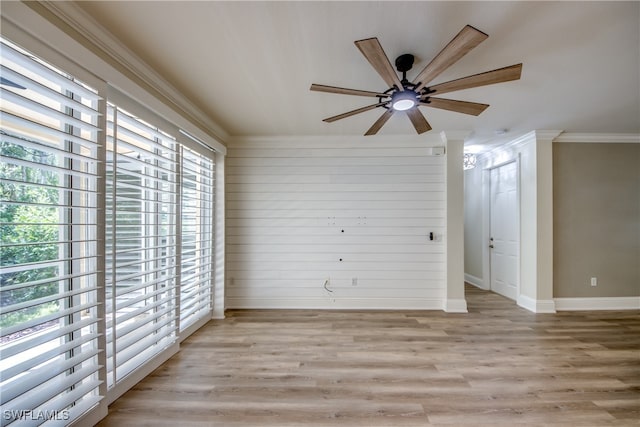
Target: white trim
x,y
92,416
185,333
597,303
485,180
454,238
455,306
459,135
517,143
536,306
338,303
475,281
16,33
89,28
219,230
140,373
284,141
599,138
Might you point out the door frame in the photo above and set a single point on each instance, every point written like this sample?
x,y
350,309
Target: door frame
x,y
486,222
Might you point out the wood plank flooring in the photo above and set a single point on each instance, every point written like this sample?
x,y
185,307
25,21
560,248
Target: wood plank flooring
x,y
497,365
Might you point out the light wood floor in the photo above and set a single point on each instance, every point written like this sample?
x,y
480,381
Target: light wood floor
x,y
497,365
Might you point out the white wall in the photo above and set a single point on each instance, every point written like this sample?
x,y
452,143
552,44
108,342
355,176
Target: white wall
x,y
289,200
473,224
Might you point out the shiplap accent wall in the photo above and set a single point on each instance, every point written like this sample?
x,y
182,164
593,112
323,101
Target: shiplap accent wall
x,y
297,206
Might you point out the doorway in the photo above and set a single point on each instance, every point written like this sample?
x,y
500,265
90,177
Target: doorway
x,y
504,240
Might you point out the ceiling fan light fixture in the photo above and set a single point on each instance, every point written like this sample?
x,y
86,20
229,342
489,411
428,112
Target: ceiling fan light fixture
x,y
404,100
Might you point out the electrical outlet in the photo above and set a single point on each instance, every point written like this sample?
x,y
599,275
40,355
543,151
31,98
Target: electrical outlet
x,y
232,281
594,281
354,281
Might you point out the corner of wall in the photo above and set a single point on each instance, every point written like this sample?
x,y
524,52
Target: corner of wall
x,y
458,305
536,305
454,300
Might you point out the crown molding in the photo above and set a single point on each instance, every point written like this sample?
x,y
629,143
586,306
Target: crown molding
x,y
599,138
424,140
454,135
522,140
547,135
105,44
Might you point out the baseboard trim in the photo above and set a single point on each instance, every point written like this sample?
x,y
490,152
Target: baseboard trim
x,y
475,281
536,306
455,306
597,303
335,304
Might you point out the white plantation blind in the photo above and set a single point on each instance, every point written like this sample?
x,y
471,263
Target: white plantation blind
x,y
50,248
142,242
106,241
198,173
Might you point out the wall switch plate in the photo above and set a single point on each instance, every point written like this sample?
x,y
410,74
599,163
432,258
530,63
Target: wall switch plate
x,y
594,281
354,281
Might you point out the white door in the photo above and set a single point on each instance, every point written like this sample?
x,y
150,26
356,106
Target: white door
x,y
505,234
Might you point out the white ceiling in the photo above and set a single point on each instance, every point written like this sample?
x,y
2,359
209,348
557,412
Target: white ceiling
x,y
249,65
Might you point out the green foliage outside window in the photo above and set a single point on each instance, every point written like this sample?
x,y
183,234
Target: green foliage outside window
x,y
29,230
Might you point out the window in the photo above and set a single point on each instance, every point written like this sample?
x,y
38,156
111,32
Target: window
x,y
49,244
106,241
142,265
197,237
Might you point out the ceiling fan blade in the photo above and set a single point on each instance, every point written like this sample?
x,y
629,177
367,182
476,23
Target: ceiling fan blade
x,y
345,91
487,78
459,46
380,122
372,50
418,120
351,113
472,108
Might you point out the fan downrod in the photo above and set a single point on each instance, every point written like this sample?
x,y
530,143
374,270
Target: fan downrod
x,y
403,64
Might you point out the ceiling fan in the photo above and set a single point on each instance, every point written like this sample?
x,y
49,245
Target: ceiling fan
x,y
406,96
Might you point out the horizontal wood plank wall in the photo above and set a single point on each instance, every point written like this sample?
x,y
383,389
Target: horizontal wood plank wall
x,y
352,213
